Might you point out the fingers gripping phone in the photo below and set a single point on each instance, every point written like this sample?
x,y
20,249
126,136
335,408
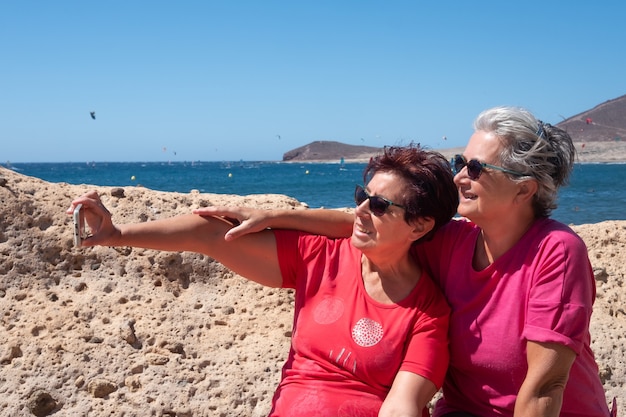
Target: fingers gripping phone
x,y
80,232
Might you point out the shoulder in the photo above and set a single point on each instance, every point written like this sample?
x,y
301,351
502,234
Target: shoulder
x,y
547,232
457,229
298,236
430,294
557,254
308,243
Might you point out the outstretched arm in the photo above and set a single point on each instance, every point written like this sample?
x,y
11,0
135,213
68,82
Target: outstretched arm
x,y
331,223
253,256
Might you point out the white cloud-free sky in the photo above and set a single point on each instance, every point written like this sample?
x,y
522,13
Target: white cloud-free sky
x,y
231,80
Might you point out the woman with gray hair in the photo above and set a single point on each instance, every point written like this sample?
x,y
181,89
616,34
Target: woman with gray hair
x,y
520,284
549,161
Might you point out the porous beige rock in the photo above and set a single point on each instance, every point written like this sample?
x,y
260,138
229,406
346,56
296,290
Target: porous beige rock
x,y
100,387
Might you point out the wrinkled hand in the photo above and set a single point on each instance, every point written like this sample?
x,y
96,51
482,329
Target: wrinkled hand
x,y
246,220
98,218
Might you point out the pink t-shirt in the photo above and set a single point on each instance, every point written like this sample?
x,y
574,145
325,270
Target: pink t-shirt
x,y
541,290
346,348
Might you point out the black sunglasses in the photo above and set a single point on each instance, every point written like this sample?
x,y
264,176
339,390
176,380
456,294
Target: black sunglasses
x,y
475,167
378,205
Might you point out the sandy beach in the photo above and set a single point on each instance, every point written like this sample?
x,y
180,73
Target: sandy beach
x,y
128,332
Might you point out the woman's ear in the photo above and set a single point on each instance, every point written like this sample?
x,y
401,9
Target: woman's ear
x,y
421,226
526,191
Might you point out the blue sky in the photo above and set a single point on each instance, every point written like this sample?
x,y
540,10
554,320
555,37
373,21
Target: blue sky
x,y
230,80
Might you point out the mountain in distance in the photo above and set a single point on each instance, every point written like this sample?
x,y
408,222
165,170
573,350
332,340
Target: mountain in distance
x,y
325,150
605,122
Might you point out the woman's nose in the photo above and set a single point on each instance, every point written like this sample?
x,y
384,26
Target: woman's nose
x,y
363,208
461,175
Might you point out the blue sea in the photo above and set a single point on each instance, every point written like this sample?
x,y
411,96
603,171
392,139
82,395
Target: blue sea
x,y
595,193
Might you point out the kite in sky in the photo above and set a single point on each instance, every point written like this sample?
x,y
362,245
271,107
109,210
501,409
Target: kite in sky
x,y
93,115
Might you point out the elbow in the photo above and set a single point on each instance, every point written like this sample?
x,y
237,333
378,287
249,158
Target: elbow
x,y
557,386
553,391
553,387
547,399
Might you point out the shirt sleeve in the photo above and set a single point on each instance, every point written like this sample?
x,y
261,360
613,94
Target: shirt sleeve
x,y
287,251
295,251
562,293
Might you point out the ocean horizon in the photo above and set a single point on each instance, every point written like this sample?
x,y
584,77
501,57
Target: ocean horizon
x,y
591,196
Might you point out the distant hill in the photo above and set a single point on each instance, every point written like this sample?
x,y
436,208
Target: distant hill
x,y
324,150
605,122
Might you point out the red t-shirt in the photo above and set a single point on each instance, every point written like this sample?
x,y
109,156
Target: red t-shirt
x,y
346,348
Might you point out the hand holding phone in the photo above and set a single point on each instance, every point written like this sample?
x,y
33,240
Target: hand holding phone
x,y
79,225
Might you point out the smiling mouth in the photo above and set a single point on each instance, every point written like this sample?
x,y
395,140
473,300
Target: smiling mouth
x,y
467,195
359,228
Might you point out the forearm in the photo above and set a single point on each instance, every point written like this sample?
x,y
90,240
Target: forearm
x,y
331,223
539,405
182,233
541,393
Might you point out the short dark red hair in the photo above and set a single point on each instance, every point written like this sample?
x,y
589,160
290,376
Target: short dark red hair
x,y
430,191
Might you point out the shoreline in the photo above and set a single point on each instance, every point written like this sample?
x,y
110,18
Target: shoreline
x,y
586,153
589,152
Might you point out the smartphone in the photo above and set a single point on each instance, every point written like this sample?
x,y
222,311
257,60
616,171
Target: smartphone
x,y
79,225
